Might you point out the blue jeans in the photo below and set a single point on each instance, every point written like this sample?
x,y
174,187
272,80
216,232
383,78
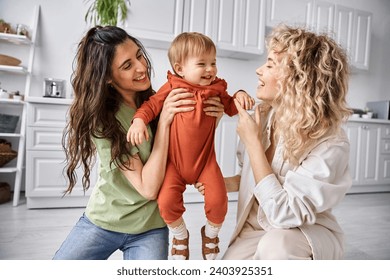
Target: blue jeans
x,y
87,241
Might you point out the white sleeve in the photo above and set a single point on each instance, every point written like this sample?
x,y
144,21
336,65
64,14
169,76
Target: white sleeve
x,y
317,185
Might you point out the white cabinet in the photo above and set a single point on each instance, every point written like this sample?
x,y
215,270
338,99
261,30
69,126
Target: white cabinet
x,y
291,12
14,170
199,16
323,17
236,26
239,27
350,27
369,155
353,32
45,162
384,155
344,22
361,39
155,23
316,15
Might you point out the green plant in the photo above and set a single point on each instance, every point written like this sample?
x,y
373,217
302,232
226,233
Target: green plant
x,y
107,12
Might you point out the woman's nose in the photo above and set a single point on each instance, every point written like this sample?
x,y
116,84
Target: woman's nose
x,y
140,66
258,71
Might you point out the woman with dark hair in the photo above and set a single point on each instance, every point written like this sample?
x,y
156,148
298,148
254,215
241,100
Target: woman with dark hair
x,y
110,81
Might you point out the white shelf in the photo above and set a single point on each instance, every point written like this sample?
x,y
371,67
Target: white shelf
x,y
10,135
11,101
20,41
8,169
14,69
15,39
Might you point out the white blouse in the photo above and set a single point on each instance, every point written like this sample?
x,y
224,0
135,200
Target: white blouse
x,y
298,196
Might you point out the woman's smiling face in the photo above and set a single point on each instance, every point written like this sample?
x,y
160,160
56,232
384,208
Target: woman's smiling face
x,y
268,78
129,69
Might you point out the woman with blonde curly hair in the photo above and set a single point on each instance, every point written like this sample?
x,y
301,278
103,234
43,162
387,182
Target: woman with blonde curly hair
x,y
293,152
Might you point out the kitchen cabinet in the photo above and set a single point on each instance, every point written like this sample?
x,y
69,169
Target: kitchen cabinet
x,y
323,17
350,27
316,15
239,27
199,16
361,39
369,155
384,155
353,32
45,161
18,43
236,26
290,12
344,22
155,23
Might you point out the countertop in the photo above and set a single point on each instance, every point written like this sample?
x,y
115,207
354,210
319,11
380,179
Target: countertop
x,y
50,100
382,121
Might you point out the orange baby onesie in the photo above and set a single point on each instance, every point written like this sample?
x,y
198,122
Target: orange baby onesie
x,y
191,154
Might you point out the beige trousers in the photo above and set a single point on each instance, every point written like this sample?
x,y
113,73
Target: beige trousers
x,y
277,244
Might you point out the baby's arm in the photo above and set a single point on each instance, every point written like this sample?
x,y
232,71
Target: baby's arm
x,y
137,132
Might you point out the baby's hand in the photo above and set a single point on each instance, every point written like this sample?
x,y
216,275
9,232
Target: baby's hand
x,y
137,132
247,102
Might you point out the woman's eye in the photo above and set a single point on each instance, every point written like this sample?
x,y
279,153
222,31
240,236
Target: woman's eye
x,y
140,54
127,66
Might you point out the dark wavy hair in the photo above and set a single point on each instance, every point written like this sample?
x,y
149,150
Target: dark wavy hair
x,y
95,104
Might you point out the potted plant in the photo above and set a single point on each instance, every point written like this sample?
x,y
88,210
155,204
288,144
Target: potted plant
x,y
107,12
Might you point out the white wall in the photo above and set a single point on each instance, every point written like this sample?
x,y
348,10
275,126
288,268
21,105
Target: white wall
x,y
62,25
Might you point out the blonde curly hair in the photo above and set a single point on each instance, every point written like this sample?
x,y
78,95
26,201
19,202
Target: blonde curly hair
x,y
312,88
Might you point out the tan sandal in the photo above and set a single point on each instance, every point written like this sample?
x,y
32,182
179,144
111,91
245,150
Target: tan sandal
x,y
183,252
206,250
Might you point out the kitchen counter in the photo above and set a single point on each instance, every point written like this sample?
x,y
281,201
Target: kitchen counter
x,y
50,100
382,121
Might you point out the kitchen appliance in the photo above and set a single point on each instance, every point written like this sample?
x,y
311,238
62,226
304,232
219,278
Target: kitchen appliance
x,y
54,88
380,109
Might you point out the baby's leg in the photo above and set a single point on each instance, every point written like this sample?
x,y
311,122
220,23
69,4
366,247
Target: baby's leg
x,y
171,205
215,207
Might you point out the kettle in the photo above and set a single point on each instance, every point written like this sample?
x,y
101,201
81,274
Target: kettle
x,y
53,90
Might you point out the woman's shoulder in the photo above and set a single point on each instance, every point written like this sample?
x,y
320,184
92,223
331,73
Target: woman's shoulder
x,y
125,114
338,137
334,144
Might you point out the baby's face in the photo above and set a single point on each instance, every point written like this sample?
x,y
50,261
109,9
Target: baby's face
x,y
200,70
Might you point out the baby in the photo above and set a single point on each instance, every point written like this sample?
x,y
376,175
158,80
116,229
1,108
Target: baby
x,y
191,154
